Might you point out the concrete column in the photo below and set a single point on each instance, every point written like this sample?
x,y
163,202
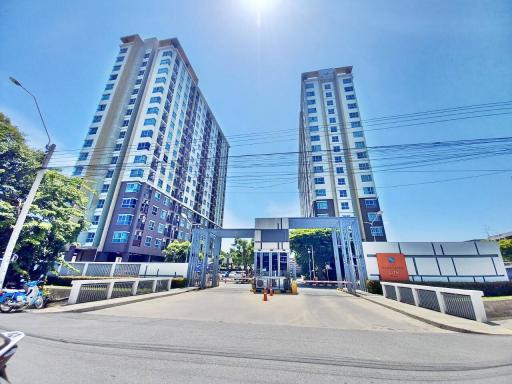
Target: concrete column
x,y
337,263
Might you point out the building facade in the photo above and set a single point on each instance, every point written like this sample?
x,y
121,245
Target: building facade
x,y
335,173
154,156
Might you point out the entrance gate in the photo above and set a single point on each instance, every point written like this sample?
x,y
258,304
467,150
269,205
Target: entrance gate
x,y
346,240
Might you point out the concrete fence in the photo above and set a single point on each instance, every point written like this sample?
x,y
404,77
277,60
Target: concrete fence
x,y
83,291
122,269
457,302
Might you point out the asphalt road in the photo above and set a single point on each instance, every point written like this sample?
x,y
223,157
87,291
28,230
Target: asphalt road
x,y
227,335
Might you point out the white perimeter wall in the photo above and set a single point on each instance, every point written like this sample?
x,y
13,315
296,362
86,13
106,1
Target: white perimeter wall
x,y
163,269
452,261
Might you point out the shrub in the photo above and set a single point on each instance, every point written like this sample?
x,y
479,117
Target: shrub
x,y
179,282
374,286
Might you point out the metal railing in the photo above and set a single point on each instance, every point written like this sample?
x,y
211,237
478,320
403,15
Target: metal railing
x,y
457,302
99,269
83,291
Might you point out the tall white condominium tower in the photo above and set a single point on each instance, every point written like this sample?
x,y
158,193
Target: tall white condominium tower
x,y
154,155
335,174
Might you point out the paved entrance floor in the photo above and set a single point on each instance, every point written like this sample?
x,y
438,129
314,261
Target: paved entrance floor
x,y
232,303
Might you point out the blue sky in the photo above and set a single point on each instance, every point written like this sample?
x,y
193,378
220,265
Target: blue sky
x,y
408,56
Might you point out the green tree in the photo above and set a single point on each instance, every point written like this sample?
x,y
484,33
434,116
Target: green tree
x,y
57,214
242,253
321,240
506,249
177,251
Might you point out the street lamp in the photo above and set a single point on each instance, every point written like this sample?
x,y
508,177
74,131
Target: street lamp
x,y
377,214
311,252
31,194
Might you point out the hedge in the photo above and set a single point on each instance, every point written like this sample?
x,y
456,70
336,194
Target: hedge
x,y
495,288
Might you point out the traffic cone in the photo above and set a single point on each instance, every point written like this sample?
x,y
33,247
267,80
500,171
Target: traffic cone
x,y
265,294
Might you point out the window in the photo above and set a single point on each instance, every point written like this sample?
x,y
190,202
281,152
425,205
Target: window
x,y
146,55
122,134
366,178
78,171
125,123
370,203
104,187
362,155
332,120
144,145
313,128
128,203
112,77
368,190
347,81
318,169
321,205
154,210
355,124
160,80
158,90
165,62
93,130
158,242
114,159
118,147
144,63
163,70
146,133
123,50
352,106
320,192
167,53
357,134
319,180
161,228
151,225
344,205
316,148
373,216
108,87
120,237
312,119
109,174
153,110
137,172
353,115
83,156
336,148
100,204
106,96
311,102
129,112
155,99
317,158
140,159
101,107
150,121
119,59
124,219
377,231
90,237
351,97
147,241
364,166
335,139
341,181
330,111
158,196
338,159
311,110
310,93
359,144
309,85
96,119
327,86
95,220
328,94
315,138
132,101
343,193
334,129
163,214
88,143
349,89
116,68
132,187
340,170
140,73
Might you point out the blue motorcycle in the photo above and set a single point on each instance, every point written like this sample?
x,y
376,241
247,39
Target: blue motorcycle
x,y
30,296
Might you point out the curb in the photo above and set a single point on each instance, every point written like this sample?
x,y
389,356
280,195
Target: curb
x,y
431,322
96,306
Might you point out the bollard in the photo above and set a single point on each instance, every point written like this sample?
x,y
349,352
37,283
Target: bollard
x,y
265,294
271,292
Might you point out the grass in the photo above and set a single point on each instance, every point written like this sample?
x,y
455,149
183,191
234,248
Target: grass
x,y
496,298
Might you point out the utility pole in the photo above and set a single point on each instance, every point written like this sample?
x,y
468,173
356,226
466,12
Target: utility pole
x,y
50,148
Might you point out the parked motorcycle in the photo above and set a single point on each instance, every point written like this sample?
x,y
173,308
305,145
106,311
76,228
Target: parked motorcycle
x,y
30,296
8,347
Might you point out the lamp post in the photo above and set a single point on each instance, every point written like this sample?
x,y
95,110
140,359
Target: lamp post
x,y
50,148
311,252
377,214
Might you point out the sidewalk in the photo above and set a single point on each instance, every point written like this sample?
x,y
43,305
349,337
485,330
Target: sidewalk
x,y
438,319
102,304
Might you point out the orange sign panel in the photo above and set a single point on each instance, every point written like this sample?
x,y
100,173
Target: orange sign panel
x,y
392,267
